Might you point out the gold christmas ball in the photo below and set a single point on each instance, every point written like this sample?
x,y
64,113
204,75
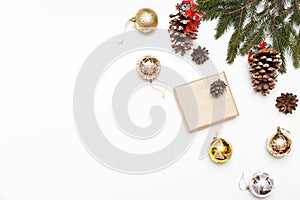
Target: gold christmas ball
x,y
220,150
279,144
145,20
148,67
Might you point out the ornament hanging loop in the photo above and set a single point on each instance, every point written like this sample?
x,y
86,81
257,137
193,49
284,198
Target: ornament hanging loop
x,y
162,91
125,28
128,22
280,130
242,181
216,136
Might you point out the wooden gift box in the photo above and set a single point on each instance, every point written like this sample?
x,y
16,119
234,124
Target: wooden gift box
x,y
199,108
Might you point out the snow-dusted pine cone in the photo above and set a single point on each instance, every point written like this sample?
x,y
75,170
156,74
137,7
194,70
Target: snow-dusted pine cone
x,y
200,55
217,88
264,64
182,41
286,103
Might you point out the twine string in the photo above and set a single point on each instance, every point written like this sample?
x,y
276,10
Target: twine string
x,y
162,91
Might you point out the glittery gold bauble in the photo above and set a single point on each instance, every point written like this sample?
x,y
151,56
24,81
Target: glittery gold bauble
x,y
279,144
145,20
220,150
148,67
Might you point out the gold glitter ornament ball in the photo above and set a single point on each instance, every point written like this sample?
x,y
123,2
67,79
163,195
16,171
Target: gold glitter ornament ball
x,y
148,67
145,20
220,150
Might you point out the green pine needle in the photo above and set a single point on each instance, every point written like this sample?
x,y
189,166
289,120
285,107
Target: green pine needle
x,y
252,21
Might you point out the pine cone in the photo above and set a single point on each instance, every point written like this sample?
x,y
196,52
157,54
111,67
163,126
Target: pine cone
x,y
263,68
182,42
217,88
287,103
200,55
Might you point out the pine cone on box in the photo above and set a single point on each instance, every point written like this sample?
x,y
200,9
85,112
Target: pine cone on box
x,y
264,64
181,41
217,88
200,55
287,103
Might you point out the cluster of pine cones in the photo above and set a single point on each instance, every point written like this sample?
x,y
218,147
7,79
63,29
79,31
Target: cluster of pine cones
x,y
264,64
182,41
264,61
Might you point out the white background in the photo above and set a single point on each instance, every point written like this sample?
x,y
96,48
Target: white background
x,y
42,47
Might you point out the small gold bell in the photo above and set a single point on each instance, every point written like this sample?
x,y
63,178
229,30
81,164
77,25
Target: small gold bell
x,y
279,144
220,150
145,20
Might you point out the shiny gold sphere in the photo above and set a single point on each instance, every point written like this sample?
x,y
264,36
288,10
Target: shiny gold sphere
x,y
220,150
279,144
146,20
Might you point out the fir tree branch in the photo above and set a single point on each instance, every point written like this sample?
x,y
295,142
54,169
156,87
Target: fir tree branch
x,y
276,45
233,49
295,12
288,41
242,7
251,20
223,25
254,40
293,51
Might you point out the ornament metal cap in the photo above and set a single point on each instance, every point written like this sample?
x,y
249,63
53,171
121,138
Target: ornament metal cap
x,y
279,144
220,150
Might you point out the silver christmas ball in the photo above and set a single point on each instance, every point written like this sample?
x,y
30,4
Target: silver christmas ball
x,y
261,184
